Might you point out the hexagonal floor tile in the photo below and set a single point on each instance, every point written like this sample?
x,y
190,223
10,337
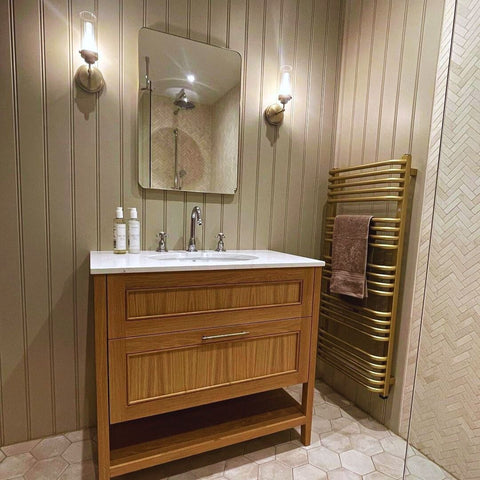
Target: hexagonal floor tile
x,y
79,452
241,468
18,448
80,471
327,411
291,454
422,467
365,444
373,428
324,458
345,425
48,469
395,445
211,471
389,464
78,435
357,462
343,474
263,455
321,425
336,442
308,472
16,465
50,447
376,476
274,471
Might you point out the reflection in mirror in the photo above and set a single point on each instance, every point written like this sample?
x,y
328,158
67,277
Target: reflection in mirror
x,y
189,109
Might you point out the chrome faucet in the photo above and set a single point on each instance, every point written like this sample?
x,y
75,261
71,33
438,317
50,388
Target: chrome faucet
x,y
196,218
162,243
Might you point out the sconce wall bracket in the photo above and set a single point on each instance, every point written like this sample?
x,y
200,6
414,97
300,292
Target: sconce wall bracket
x,y
274,114
89,79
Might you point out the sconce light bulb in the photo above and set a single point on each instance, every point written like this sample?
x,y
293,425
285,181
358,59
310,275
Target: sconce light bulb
x,y
274,113
285,90
88,49
88,78
191,78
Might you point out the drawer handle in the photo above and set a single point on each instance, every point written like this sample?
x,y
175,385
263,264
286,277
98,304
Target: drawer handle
x,y
224,335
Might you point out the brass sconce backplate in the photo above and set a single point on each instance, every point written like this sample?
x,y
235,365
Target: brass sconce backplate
x,y
274,114
89,79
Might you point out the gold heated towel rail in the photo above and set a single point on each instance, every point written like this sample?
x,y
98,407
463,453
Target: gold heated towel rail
x,y
356,336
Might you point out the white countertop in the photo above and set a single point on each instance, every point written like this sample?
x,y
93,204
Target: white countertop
x,y
175,260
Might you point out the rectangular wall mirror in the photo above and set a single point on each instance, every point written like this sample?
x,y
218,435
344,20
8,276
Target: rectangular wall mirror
x,y
188,114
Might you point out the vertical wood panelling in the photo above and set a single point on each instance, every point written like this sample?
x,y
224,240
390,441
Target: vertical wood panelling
x,y
85,214
15,414
77,160
393,71
255,44
267,132
237,41
31,125
217,14
177,24
314,131
387,69
300,124
326,136
131,21
198,24
283,141
59,149
109,111
155,200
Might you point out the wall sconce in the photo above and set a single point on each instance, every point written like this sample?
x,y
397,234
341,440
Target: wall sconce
x,y
274,112
89,78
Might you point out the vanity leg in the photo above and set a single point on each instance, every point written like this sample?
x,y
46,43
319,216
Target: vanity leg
x,y
307,406
101,369
309,387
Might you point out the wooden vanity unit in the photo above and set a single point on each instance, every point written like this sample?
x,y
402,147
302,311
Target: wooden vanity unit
x,y
194,360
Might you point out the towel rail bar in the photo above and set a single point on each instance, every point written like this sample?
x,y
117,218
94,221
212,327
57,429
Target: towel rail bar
x,y
380,198
355,334
359,370
340,355
391,171
370,356
383,163
367,182
376,364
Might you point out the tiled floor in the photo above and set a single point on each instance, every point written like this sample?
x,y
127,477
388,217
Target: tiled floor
x,y
346,445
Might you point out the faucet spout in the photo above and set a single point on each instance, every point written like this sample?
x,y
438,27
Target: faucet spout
x,y
195,219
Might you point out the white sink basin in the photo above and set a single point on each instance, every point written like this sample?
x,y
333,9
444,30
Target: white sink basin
x,y
202,257
180,260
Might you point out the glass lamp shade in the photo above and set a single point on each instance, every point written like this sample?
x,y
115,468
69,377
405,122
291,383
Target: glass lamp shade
x,y
285,90
89,50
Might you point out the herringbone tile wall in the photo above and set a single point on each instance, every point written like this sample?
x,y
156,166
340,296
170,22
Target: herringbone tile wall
x,y
446,408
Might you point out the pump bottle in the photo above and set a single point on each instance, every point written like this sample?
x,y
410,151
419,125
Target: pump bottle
x,y
133,232
119,232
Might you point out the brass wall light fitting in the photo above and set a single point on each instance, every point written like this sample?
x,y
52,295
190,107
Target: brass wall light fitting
x,y
274,113
87,77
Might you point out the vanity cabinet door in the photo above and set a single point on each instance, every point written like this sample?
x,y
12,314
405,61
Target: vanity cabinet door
x,y
146,304
160,373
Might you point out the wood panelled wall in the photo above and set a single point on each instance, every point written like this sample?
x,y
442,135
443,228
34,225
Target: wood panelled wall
x,y
387,82
68,158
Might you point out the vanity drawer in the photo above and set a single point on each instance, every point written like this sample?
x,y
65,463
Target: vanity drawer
x,y
145,304
161,373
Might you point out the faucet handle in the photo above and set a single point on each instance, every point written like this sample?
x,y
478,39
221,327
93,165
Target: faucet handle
x,y
221,244
162,244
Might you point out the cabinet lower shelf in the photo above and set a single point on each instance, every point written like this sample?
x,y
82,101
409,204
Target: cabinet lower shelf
x,y
160,439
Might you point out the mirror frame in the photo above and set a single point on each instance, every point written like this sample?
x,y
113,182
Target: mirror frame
x,y
140,90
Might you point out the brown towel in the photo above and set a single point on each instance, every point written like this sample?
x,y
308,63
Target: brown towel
x,y
349,255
